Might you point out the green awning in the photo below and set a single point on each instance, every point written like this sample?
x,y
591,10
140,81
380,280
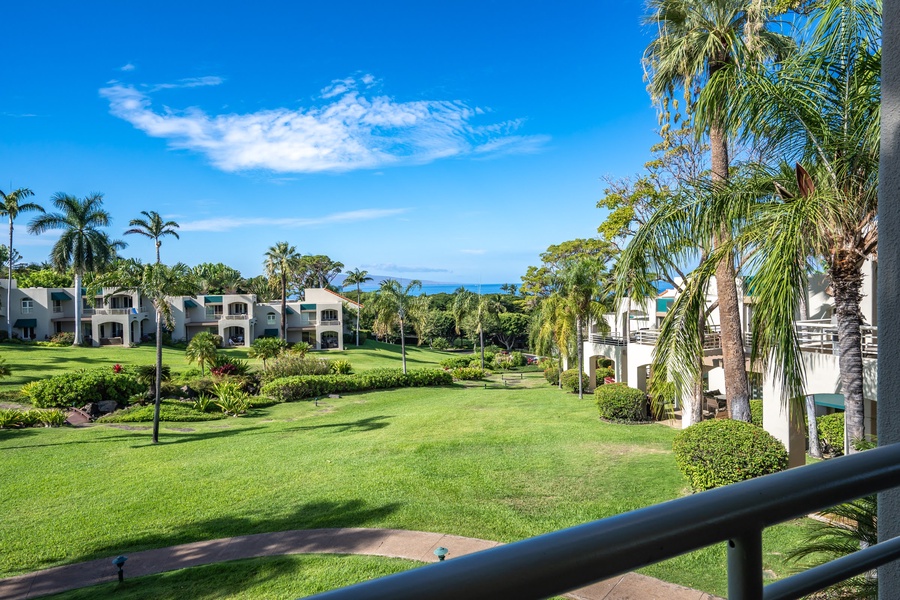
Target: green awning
x,y
290,310
22,323
307,307
190,304
209,299
830,400
61,296
271,333
664,304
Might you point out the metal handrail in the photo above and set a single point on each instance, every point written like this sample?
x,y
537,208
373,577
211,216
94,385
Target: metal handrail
x,y
572,558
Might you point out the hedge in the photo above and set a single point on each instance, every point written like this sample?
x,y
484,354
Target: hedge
x,y
618,402
82,387
756,412
722,451
467,373
569,380
298,387
831,432
169,410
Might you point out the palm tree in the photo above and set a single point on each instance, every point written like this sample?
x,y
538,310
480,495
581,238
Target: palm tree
x,y
156,282
460,307
696,41
202,349
357,277
153,227
282,261
581,286
482,311
11,205
83,247
552,328
392,303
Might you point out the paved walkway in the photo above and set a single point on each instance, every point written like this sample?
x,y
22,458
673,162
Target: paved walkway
x,y
414,545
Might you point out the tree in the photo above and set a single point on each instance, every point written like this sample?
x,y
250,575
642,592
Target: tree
x,y
83,247
282,261
153,227
266,348
202,349
259,286
156,282
582,289
391,306
47,278
552,328
357,277
513,327
11,205
459,308
696,42
319,270
218,278
481,314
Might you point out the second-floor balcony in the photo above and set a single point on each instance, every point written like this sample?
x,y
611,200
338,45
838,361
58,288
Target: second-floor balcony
x,y
234,316
650,337
609,339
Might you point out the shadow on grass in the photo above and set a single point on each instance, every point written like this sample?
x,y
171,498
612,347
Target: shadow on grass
x,y
368,424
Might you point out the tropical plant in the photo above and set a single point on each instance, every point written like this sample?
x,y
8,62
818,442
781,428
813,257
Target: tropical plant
x,y
618,402
282,261
357,277
202,349
300,349
392,304
482,314
153,227
231,399
266,348
156,282
11,204
582,290
83,247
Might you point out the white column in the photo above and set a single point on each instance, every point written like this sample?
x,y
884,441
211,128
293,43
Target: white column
x,y
784,421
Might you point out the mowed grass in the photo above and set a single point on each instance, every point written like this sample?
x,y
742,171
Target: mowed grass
x,y
497,463
29,362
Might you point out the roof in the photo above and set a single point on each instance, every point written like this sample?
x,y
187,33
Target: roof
x,y
344,298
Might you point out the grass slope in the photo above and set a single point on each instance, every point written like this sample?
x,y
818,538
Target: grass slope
x,y
495,463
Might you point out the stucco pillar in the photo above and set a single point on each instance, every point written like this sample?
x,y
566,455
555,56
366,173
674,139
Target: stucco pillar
x,y
784,421
888,284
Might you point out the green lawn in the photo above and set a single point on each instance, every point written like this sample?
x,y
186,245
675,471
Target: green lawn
x,y
494,463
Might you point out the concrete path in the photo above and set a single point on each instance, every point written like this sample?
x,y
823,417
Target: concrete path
x,y
414,545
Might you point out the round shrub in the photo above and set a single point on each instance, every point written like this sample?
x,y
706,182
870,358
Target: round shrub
x,y
831,432
551,374
439,343
721,451
517,359
756,412
467,373
569,380
618,402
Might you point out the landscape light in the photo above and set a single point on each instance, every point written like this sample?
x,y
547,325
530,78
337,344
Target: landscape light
x,y
441,553
119,561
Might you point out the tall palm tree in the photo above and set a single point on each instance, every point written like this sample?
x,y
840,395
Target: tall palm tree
x,y
153,227
156,282
83,247
552,328
695,43
282,261
482,311
357,277
582,289
460,307
11,205
392,303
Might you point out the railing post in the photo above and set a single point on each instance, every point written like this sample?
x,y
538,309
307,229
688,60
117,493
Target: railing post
x,y
745,566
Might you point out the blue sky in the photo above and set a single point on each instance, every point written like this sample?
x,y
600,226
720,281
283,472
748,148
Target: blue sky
x,y
451,142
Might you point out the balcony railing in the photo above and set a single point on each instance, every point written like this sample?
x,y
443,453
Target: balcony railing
x,y
329,321
609,339
711,340
113,311
237,316
572,558
822,336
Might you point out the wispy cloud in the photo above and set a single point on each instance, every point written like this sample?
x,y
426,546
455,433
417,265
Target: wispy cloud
x,y
18,115
127,67
393,268
472,251
229,223
351,128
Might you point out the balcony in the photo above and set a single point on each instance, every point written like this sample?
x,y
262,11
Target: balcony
x,y
114,311
711,341
235,317
610,339
328,322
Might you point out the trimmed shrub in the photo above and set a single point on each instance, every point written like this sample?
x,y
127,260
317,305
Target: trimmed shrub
x,y
551,374
227,365
517,359
169,410
618,402
299,387
456,362
756,412
467,373
81,387
439,343
831,432
569,380
291,365
340,367
721,451
63,339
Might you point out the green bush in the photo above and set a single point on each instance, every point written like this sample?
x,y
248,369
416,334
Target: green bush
x,y
467,373
79,388
293,364
569,380
231,398
49,417
63,339
831,432
551,374
456,362
756,412
618,402
517,359
10,418
439,343
298,387
169,410
721,451
340,367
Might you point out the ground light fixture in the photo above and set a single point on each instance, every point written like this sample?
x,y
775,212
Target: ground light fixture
x,y
441,553
119,561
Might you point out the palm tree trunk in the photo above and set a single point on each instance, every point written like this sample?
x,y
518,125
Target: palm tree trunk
x,y
158,244
846,280
9,283
358,309
815,448
78,304
284,306
580,353
403,346
737,388
481,342
158,382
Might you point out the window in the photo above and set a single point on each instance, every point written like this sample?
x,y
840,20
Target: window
x,y
329,315
27,306
270,319
57,306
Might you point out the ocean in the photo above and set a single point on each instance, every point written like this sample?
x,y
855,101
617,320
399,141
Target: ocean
x,y
448,288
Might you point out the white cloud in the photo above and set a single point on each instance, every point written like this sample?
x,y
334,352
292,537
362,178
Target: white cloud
x,y
230,223
348,130
473,251
127,67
